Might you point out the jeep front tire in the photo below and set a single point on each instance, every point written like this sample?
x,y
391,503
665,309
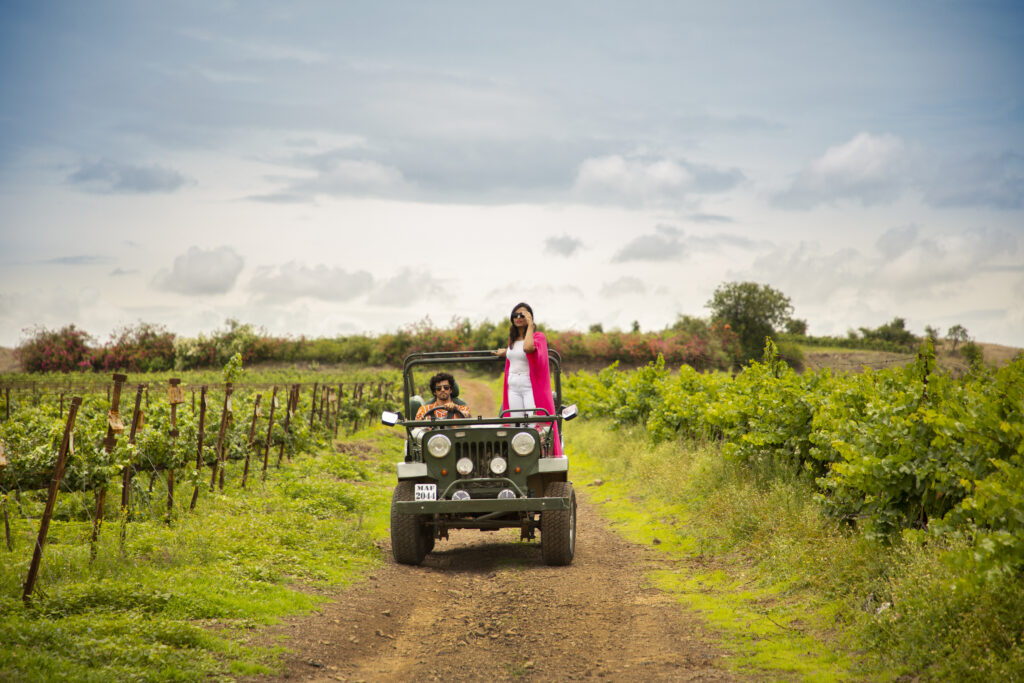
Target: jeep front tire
x,y
408,537
558,527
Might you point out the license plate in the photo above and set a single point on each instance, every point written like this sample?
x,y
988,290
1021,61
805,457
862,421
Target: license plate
x,y
426,491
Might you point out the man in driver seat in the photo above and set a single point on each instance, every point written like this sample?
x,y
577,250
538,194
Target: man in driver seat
x,y
441,386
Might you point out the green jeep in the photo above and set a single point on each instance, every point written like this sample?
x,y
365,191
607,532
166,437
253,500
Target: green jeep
x,y
480,472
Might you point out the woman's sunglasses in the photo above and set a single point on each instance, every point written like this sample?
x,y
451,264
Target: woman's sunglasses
x,y
518,315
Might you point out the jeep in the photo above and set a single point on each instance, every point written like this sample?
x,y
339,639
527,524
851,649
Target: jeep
x,y
480,472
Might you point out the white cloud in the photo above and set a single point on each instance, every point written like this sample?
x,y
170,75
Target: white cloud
x,y
617,179
109,177
336,175
79,260
896,241
201,271
293,280
624,286
664,245
408,287
563,245
906,263
869,169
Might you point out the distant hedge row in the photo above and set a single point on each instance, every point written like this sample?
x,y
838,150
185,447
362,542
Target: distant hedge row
x,y
147,347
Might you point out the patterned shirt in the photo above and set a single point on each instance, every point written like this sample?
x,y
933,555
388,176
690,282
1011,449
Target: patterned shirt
x,y
421,414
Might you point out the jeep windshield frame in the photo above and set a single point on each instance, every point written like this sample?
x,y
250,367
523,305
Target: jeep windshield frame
x,y
483,358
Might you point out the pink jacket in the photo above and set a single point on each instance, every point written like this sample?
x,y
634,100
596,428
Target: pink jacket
x,y
540,378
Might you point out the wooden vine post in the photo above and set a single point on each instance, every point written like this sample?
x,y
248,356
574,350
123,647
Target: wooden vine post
x,y
199,444
337,413
312,407
270,433
7,523
114,427
66,444
287,426
330,402
176,396
220,463
126,471
252,436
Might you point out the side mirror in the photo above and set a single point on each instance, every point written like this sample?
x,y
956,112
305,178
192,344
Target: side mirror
x,y
569,412
390,419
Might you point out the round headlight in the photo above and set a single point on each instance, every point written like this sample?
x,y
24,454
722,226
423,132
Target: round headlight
x,y
460,495
439,445
506,494
522,443
464,466
498,465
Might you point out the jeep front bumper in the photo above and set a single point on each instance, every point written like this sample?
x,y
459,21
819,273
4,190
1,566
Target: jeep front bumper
x,y
480,505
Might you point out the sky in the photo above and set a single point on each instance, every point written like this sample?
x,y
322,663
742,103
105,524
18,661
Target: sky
x,y
330,168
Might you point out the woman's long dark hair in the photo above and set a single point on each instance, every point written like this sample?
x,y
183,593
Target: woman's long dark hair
x,y
513,331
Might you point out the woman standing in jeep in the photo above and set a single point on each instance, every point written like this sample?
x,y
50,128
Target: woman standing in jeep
x,y
527,376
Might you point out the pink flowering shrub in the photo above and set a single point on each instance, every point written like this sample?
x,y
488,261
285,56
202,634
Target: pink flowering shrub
x,y
60,350
142,348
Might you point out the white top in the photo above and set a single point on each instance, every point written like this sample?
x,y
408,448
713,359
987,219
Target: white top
x,y
517,364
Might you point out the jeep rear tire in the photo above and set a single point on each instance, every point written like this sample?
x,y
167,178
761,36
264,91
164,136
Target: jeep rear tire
x,y
558,527
408,537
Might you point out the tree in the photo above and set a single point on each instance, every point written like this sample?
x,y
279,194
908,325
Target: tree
x,y
957,334
797,327
690,325
636,326
894,331
753,311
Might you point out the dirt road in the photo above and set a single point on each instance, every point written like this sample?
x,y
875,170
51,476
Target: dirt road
x,y
484,607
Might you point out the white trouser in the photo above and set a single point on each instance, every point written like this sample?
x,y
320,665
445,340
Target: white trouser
x,y
520,394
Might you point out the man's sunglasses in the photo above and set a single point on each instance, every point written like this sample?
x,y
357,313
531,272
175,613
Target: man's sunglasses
x,y
518,315
442,387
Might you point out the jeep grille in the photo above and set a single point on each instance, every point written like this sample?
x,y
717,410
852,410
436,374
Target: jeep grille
x,y
481,452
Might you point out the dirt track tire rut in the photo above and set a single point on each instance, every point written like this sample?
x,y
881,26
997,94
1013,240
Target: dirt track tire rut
x,y
485,607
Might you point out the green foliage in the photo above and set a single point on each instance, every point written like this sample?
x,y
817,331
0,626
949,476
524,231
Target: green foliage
x,y
233,369
896,449
753,311
893,332
757,550
972,353
139,609
852,341
796,327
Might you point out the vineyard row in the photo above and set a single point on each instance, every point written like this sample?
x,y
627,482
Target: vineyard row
x,y
84,444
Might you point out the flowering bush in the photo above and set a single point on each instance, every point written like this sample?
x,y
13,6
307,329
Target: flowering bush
x,y
60,350
143,348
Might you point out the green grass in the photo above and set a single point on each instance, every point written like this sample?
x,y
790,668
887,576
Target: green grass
x,y
794,596
180,603
682,502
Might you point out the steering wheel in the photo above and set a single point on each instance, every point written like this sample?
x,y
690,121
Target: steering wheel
x,y
453,414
